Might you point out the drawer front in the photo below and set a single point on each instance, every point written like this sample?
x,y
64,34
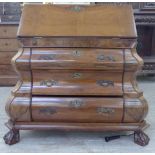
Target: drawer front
x,y
9,45
5,57
8,31
76,58
90,42
56,82
77,109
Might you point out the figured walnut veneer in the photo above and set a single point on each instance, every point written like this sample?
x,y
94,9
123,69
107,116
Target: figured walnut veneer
x,y
77,72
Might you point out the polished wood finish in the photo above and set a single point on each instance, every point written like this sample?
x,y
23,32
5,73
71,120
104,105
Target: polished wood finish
x,y
77,21
77,58
77,72
76,83
90,42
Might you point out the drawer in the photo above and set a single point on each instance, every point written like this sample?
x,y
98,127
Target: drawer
x,y
5,57
7,70
8,31
68,82
77,58
9,45
77,109
84,42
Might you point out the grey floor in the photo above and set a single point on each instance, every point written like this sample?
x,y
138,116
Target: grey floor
x,y
49,141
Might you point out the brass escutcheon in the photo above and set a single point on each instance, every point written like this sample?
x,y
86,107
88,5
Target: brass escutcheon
x,y
105,110
48,83
76,103
76,75
105,83
76,8
105,58
76,53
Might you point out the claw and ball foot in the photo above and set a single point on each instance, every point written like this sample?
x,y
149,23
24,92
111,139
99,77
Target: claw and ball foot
x,y
12,137
141,138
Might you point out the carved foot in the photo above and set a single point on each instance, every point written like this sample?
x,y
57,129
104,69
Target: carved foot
x,y
141,138
12,137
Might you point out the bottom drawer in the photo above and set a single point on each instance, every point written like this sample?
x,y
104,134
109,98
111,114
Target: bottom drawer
x,y
77,109
85,109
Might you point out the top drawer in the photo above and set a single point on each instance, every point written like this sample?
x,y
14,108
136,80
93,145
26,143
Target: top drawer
x,y
8,31
77,58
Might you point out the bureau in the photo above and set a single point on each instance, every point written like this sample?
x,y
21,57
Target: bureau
x,y
8,48
77,71
9,45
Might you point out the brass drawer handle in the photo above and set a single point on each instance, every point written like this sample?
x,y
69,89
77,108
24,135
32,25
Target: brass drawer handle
x,y
76,75
47,57
76,8
105,110
48,111
76,103
76,53
48,83
34,42
105,83
105,58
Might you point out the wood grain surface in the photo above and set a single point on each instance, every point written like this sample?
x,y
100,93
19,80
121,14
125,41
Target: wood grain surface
x,y
53,20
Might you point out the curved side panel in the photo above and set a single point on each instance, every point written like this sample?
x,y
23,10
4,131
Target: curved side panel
x,y
135,110
18,108
18,105
133,64
21,64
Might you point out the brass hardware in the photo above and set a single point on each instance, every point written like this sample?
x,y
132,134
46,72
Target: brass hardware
x,y
105,58
48,83
105,83
77,75
105,110
47,57
76,8
76,53
34,42
76,103
48,110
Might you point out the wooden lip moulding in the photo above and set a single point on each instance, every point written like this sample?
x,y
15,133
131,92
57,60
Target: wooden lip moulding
x,y
77,71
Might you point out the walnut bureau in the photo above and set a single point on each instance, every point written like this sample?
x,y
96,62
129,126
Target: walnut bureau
x,y
77,71
8,48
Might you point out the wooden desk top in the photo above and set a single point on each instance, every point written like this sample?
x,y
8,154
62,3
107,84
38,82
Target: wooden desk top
x,y
57,20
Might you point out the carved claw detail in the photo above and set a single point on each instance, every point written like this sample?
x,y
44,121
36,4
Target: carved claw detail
x,y
141,138
12,137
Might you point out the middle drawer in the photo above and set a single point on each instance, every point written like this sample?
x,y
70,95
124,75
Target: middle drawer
x,y
75,82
